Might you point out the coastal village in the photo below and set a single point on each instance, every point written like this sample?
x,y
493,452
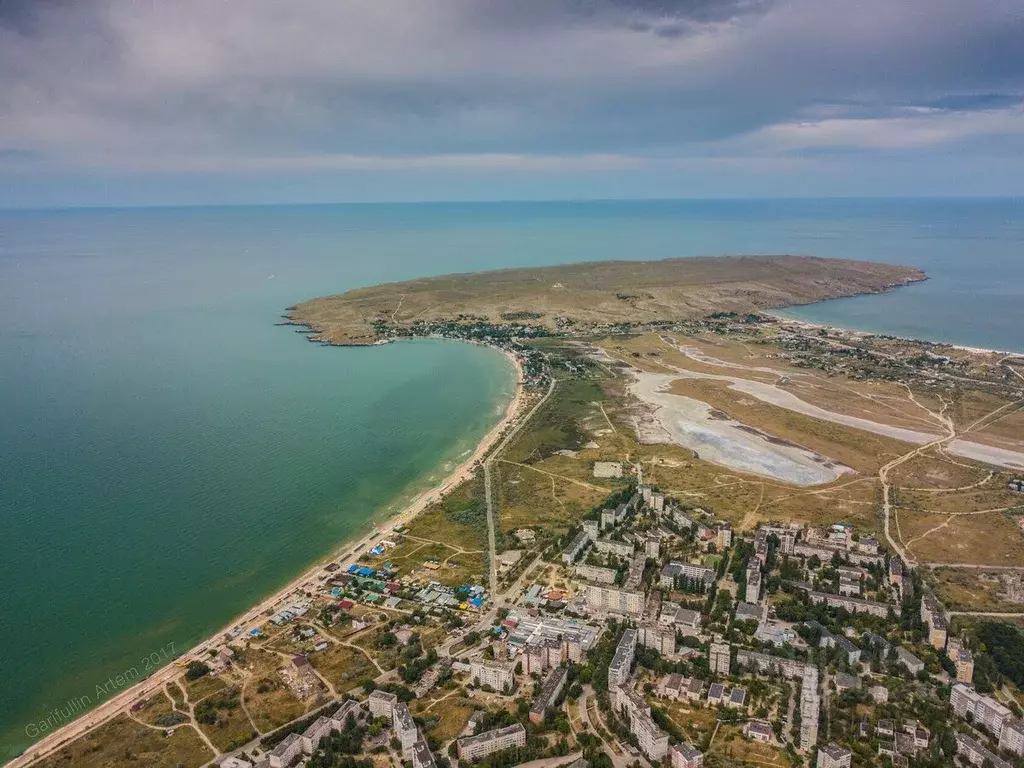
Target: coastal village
x,y
631,626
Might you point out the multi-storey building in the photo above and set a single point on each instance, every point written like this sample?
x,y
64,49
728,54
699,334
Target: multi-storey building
x,y
422,756
810,705
405,730
962,659
909,660
675,570
661,640
622,661
596,574
976,754
1012,737
382,704
652,547
986,712
591,528
724,538
602,598
635,574
549,691
497,675
753,593
575,548
613,547
652,740
938,631
686,755
764,663
475,747
719,659
834,756
851,604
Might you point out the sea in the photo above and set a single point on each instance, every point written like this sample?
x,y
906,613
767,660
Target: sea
x,y
169,455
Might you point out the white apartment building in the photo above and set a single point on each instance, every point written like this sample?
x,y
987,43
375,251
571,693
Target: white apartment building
x,y
602,598
1012,737
810,706
495,674
382,704
475,747
622,661
719,659
405,730
834,756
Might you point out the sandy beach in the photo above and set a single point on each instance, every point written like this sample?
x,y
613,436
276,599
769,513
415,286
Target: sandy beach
x,y
309,578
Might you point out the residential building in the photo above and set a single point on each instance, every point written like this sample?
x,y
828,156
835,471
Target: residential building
x,y
422,756
497,675
724,536
686,755
852,651
575,548
652,740
405,730
851,604
475,747
382,704
549,691
976,754
753,592
1011,738
719,659
617,548
661,640
879,694
596,574
602,598
635,574
748,612
284,753
938,631
909,660
591,528
652,546
675,571
759,730
962,659
737,698
716,695
765,663
834,756
622,661
985,711
810,706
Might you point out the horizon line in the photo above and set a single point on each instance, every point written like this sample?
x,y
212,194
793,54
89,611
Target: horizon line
x,y
507,201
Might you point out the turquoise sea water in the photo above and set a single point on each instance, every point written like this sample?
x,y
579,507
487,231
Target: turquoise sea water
x,y
168,455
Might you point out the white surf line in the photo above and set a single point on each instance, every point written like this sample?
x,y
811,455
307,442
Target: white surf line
x,y
773,395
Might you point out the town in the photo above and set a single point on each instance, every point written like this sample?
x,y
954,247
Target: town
x,y
612,623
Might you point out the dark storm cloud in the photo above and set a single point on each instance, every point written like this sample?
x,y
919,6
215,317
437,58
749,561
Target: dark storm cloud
x,y
138,84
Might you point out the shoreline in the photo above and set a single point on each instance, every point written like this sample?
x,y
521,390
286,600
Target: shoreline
x,y
112,708
809,325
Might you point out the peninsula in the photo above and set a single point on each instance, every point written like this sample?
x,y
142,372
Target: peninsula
x,y
596,294
702,535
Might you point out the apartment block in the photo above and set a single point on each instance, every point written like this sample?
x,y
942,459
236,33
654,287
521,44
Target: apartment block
x,y
719,659
495,674
382,704
622,661
475,747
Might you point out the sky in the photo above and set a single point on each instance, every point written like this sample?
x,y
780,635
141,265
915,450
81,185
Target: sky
x,y
156,102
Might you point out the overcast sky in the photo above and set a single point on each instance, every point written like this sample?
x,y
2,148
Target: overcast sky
x,y
198,101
